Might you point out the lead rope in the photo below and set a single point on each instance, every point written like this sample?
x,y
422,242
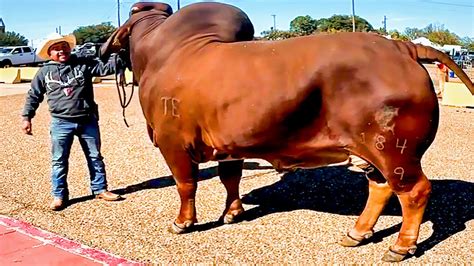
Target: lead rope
x,y
123,94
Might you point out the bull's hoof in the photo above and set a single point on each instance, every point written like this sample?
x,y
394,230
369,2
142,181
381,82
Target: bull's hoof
x,y
181,228
350,241
392,256
232,216
396,253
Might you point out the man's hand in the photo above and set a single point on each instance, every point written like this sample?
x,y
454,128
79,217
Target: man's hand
x,y
26,127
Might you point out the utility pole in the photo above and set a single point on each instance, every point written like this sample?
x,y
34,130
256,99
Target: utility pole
x,y
384,23
353,17
118,12
274,22
179,5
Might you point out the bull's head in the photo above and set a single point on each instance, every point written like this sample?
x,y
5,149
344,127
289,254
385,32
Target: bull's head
x,y
119,41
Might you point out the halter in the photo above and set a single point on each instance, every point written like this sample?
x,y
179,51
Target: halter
x,y
121,83
120,80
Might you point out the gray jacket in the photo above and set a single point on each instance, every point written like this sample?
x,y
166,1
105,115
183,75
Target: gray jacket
x,y
68,87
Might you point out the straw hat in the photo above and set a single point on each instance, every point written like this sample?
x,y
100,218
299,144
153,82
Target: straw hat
x,y
53,39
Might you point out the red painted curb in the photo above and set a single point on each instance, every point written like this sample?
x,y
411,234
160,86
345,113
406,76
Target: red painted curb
x,y
64,243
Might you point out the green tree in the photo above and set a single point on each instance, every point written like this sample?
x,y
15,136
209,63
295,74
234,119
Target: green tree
x,y
435,33
11,38
413,33
444,37
303,25
338,23
278,34
381,31
438,34
468,43
94,33
396,35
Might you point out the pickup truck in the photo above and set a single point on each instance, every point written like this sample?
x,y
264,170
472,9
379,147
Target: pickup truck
x,y
19,55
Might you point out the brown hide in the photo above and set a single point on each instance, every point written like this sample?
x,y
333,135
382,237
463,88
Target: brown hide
x,y
298,103
301,102
222,23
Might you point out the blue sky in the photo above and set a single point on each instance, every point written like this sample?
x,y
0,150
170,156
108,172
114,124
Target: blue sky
x,y
35,19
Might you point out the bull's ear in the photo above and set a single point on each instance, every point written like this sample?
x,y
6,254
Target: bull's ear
x,y
118,40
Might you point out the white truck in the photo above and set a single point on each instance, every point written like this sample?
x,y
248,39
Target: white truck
x,y
19,55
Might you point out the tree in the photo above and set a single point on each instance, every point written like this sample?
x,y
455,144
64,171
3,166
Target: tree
x,y
94,33
468,43
444,37
438,34
396,35
338,23
303,25
381,31
278,34
11,38
435,33
413,33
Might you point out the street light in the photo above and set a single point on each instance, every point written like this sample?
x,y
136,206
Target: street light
x,y
118,12
274,22
353,17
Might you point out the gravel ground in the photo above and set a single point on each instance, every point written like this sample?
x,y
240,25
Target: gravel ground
x,y
291,218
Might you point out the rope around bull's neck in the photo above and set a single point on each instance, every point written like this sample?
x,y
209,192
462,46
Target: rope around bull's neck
x,y
122,83
123,94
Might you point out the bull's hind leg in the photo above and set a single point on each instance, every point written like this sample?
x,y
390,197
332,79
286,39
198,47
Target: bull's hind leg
x,y
412,189
400,150
394,140
379,194
397,157
230,173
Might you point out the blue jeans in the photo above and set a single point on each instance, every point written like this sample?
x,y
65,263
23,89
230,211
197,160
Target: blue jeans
x,y
62,135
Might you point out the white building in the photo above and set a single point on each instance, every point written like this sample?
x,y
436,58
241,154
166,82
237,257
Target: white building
x,y
452,49
424,41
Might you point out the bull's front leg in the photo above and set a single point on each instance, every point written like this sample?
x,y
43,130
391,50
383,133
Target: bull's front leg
x,y
230,173
185,174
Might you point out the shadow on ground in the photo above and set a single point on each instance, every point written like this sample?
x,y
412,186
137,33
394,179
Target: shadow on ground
x,y
166,181
339,191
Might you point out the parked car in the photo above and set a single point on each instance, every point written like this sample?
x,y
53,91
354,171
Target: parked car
x,y
464,61
19,55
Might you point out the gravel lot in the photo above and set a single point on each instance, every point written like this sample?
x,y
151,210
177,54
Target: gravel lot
x,y
291,218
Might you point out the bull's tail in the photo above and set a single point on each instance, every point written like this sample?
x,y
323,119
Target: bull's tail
x,y
429,54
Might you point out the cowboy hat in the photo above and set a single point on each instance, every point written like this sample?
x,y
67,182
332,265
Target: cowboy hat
x,y
53,39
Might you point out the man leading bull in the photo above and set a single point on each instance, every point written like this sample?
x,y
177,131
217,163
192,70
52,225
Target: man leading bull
x,y
67,82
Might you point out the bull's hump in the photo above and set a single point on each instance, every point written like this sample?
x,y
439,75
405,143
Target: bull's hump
x,y
216,21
